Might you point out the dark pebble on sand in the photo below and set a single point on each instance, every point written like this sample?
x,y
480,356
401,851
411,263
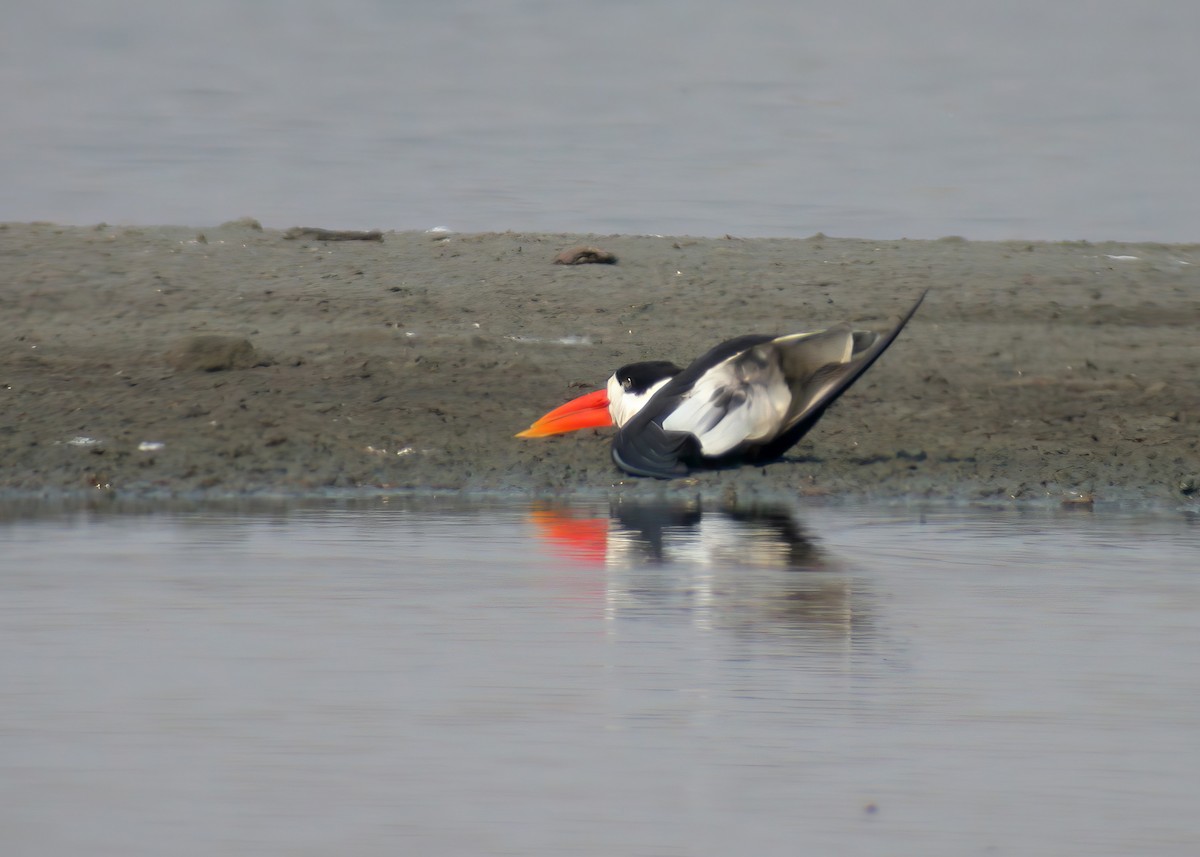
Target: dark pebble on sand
x,y
585,256
212,353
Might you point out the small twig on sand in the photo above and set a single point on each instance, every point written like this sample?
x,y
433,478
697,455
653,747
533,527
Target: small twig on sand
x,y
332,234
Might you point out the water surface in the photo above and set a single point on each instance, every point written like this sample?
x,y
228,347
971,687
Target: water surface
x,y
1022,119
395,678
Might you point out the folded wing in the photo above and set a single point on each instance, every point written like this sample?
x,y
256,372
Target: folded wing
x,y
816,383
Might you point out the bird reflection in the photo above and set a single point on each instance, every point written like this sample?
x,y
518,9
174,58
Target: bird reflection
x,y
753,569
763,537
682,532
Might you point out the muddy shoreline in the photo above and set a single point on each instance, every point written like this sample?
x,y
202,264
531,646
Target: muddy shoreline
x,y
234,361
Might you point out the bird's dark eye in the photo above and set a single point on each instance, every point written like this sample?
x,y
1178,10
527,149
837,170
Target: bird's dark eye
x,y
626,383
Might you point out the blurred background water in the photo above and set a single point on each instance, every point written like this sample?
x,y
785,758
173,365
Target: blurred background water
x,y
1016,119
400,678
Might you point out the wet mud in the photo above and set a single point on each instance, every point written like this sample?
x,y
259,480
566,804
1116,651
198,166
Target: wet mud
x,y
166,361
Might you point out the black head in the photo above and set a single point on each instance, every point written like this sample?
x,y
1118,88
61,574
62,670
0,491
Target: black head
x,y
637,378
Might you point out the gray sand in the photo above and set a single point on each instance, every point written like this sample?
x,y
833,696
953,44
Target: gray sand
x,y
142,362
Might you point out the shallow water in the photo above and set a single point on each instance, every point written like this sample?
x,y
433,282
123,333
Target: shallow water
x,y
768,118
401,678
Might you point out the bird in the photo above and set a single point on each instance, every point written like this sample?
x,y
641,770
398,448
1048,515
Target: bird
x,y
748,400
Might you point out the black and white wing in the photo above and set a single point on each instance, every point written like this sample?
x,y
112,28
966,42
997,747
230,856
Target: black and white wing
x,y
817,382
744,398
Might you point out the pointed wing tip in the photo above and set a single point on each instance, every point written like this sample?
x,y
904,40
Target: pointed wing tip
x,y
920,299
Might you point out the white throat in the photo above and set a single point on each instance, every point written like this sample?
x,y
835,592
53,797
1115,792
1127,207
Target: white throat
x,y
623,405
